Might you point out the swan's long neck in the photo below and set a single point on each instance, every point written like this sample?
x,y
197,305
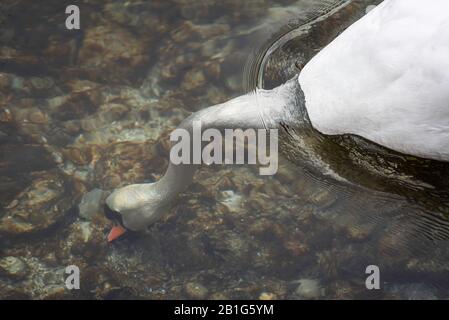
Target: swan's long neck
x,y
262,109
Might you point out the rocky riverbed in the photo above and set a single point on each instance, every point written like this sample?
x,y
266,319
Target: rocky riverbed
x,y
84,112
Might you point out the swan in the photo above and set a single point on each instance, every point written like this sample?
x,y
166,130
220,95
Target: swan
x,y
385,79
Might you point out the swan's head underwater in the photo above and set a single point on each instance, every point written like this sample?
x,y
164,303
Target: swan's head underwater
x,y
135,207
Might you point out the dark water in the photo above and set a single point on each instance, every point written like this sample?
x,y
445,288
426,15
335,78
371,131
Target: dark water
x,y
84,112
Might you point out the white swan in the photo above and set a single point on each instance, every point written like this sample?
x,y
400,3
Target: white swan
x,y
385,78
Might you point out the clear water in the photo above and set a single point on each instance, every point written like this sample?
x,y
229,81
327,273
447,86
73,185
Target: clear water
x,y
92,109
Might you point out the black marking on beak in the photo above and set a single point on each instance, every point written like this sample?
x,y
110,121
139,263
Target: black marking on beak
x,y
112,215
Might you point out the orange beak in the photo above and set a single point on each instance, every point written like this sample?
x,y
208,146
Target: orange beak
x,y
116,232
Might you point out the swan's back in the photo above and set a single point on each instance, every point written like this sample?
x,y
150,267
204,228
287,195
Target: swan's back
x,y
386,78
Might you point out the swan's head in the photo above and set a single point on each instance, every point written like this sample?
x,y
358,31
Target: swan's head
x,y
134,207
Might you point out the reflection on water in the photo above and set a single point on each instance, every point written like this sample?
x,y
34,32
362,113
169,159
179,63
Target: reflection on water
x,y
83,112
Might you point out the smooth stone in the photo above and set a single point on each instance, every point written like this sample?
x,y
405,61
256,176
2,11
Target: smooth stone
x,y
196,290
42,83
56,292
40,205
13,267
309,289
218,296
231,200
267,296
90,204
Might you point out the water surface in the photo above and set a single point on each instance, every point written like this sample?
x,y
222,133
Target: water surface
x,y
92,109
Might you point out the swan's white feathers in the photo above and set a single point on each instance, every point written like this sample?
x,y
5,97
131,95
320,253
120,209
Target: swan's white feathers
x,y
386,78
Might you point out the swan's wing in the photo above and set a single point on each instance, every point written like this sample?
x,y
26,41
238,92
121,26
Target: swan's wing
x,y
386,78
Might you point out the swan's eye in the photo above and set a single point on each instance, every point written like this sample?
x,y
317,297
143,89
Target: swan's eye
x,y
112,215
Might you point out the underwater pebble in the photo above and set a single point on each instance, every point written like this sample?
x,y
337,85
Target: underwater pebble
x,y
218,296
55,292
111,53
194,79
267,296
87,239
5,80
6,115
13,267
285,176
231,200
360,232
309,289
323,198
90,204
37,116
196,290
234,83
43,203
41,83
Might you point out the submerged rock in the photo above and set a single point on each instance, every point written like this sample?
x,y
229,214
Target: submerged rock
x,y
90,204
87,239
128,162
55,292
267,296
309,289
39,206
13,267
231,200
110,53
196,291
